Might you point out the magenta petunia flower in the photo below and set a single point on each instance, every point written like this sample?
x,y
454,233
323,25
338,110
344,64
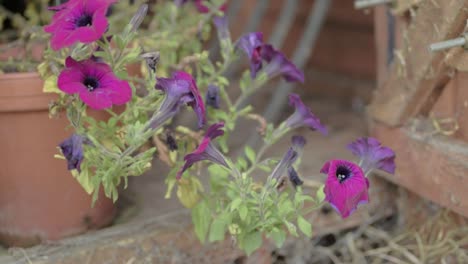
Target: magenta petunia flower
x,y
278,64
202,8
72,150
373,155
212,96
289,158
302,116
181,88
252,45
206,150
346,186
78,21
95,82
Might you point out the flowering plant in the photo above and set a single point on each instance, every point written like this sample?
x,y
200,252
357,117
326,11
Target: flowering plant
x,y
247,196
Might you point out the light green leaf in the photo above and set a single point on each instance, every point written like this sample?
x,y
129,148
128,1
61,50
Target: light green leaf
x,y
279,236
241,163
235,204
243,211
250,154
291,228
201,220
50,85
83,179
304,226
217,230
252,242
320,194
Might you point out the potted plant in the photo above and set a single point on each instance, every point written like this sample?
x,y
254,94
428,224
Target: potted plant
x,y
248,196
39,200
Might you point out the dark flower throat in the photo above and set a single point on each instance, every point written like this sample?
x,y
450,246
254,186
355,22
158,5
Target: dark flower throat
x,y
343,173
91,83
85,20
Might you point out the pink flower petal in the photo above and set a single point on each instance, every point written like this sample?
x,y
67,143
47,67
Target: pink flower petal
x,y
97,99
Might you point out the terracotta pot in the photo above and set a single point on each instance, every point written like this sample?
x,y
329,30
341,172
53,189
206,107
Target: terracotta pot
x,y
39,198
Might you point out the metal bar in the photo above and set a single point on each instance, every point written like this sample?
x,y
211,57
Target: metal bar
x,y
361,4
391,27
284,23
461,41
255,18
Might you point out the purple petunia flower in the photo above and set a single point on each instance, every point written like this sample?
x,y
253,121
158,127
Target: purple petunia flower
x,y
179,3
212,96
95,82
373,155
204,9
252,44
346,186
78,21
302,116
289,158
181,88
278,64
206,150
294,177
72,149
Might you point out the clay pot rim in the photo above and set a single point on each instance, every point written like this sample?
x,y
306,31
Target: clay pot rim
x,y
18,75
22,92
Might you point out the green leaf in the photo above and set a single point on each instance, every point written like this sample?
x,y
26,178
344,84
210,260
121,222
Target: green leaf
x,y
243,211
291,228
320,194
252,242
250,154
50,85
279,236
83,178
241,163
201,220
235,204
217,230
304,226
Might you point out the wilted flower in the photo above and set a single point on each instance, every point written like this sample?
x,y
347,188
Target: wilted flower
x,y
212,96
221,24
95,82
181,88
302,116
171,142
346,186
373,155
289,157
252,44
278,64
152,59
294,177
137,19
72,150
206,150
78,21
